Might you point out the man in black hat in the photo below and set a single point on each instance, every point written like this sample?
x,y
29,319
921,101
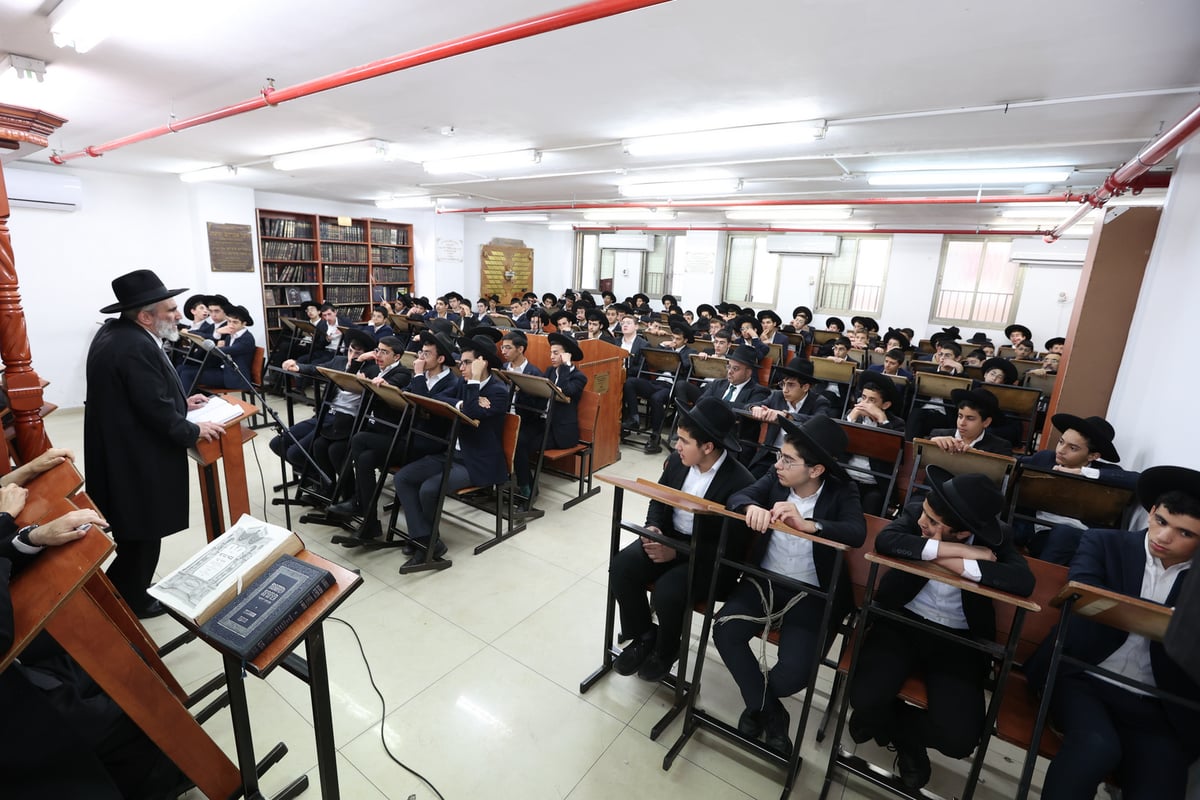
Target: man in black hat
x,y
657,390
875,407
1055,344
477,457
1017,334
136,433
596,326
1085,448
975,410
1110,727
701,464
955,526
809,490
794,400
565,353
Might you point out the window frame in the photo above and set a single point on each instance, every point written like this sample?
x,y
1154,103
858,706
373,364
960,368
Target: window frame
x,y
821,282
1017,285
744,303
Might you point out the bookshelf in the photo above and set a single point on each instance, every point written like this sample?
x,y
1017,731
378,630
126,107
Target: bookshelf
x,y
316,257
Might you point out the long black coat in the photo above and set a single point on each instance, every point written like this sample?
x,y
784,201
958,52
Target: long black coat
x,y
136,434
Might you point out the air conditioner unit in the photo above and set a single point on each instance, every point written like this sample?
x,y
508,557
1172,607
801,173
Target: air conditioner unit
x,y
46,190
626,241
1034,250
811,244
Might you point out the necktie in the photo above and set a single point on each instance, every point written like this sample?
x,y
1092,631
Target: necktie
x,y
729,393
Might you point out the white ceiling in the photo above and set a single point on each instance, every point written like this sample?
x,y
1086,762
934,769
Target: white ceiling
x,y
1109,75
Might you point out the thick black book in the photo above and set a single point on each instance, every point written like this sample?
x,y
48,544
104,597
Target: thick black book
x,y
253,619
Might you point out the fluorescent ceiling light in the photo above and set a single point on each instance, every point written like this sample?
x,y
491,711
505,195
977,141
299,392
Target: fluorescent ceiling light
x,y
789,213
1132,201
711,141
628,215
561,226
218,173
336,155
516,217
83,24
410,201
1041,212
712,186
483,163
971,177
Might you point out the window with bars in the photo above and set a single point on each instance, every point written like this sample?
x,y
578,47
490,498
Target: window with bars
x,y
852,282
751,273
977,283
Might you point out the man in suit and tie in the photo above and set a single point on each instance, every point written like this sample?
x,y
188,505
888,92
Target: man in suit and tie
x,y
702,464
477,456
740,389
1111,727
136,433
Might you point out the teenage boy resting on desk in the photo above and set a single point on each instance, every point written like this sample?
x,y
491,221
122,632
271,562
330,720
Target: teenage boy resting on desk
x,y
955,527
703,464
976,409
877,396
1109,727
807,489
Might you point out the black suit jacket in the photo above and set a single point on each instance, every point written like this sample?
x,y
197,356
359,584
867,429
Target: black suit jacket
x,y
564,420
1008,573
1109,473
1116,560
483,447
731,477
990,443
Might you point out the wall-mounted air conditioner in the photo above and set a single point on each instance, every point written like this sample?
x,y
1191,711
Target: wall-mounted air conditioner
x,y
51,191
809,244
1034,250
626,241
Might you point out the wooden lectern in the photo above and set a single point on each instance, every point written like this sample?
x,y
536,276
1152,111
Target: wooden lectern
x,y
225,450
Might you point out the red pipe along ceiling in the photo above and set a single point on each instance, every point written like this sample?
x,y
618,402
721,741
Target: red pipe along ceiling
x,y
1066,197
767,229
555,20
1125,175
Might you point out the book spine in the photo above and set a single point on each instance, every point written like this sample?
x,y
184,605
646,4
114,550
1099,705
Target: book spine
x,y
287,619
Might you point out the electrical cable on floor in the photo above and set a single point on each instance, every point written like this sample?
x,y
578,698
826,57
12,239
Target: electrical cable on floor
x,y
382,718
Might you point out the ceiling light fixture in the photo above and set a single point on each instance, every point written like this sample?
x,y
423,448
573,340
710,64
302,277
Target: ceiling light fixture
x,y
218,173
17,67
561,226
487,162
334,155
788,213
1040,212
971,177
778,134
516,218
406,201
709,187
628,215
83,24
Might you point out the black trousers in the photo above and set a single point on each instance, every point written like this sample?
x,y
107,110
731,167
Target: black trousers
x,y
631,571
954,681
132,571
1107,730
656,394
798,645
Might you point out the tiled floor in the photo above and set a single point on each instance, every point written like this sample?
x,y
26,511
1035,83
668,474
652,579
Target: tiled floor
x,y
480,665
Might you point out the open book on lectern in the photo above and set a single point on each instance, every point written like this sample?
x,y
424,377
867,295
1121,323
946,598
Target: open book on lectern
x,y
226,565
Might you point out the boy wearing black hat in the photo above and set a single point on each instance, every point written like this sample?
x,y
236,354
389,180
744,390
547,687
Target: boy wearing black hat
x,y
806,489
1017,334
1055,345
236,342
1109,726
701,464
794,400
658,391
749,330
596,326
955,526
976,408
564,416
877,396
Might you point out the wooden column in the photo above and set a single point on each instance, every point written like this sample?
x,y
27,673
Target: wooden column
x,y
20,128
1104,306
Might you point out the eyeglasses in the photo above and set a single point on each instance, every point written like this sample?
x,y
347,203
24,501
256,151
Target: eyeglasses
x,y
385,350
787,462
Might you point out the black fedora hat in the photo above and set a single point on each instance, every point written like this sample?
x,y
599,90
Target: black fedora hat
x,y
442,341
595,315
982,399
973,498
804,311
880,383
562,314
198,299
487,330
1011,329
980,338
700,309
567,343
1011,376
357,336
716,419
680,326
1099,433
483,347
1157,481
1053,341
738,322
899,336
744,354
952,333
824,439
242,313
799,368
868,323
138,289
767,313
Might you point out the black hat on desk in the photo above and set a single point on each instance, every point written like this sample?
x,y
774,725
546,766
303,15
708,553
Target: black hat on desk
x,y
138,289
716,419
973,498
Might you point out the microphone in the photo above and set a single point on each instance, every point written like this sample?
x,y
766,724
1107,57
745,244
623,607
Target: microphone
x,y
209,346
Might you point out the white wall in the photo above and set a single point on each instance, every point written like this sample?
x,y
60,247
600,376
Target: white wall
x,y
1151,405
553,255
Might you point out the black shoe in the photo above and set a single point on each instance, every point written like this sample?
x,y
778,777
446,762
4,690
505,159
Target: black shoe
x,y
635,654
419,553
912,763
630,423
655,668
151,609
653,446
750,723
775,726
861,730
344,509
370,531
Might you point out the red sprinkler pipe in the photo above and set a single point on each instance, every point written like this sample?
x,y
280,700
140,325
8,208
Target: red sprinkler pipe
x,y
555,20
766,229
1131,170
862,201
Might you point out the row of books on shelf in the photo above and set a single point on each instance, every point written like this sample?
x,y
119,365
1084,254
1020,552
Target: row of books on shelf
x,y
389,235
346,274
276,250
387,255
340,295
290,273
344,252
290,228
391,274
342,233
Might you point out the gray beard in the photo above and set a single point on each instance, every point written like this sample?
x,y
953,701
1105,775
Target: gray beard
x,y
167,330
